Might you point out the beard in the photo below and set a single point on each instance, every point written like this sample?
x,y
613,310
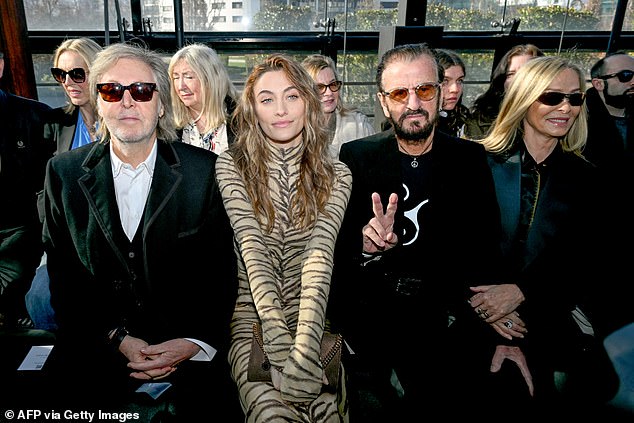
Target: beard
x,y
620,101
418,131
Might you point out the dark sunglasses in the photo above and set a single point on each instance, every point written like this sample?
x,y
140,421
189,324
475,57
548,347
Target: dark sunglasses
x,y
425,92
624,75
334,87
113,91
78,75
552,98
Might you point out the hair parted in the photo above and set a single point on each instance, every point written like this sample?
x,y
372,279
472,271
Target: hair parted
x,y
531,81
215,85
406,53
108,58
251,155
86,48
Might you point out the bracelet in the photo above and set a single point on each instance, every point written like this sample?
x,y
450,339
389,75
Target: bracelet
x,y
118,336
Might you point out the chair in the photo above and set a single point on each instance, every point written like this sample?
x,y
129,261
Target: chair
x,y
620,348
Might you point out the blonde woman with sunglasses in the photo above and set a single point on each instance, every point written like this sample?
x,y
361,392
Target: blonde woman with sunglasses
x,y
74,123
553,217
344,124
70,126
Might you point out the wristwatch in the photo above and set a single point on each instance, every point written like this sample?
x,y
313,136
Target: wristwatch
x,y
117,337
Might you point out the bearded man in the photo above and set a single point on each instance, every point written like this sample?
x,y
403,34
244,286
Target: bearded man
x,y
610,103
422,225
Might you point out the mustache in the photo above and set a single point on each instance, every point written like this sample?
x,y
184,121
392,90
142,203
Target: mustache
x,y
413,112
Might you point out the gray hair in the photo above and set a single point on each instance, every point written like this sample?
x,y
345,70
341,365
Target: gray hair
x,y
109,57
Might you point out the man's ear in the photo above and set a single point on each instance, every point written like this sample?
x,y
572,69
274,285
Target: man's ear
x,y
598,84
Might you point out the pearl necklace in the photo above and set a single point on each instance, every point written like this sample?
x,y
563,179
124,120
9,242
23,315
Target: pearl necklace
x,y
414,158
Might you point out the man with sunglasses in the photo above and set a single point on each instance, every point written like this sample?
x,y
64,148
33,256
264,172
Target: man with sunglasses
x,y
610,103
420,228
131,223
23,156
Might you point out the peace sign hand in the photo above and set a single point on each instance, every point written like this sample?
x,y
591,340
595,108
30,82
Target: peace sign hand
x,y
377,234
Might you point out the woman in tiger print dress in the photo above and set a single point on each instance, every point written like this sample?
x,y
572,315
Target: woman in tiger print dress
x,y
285,197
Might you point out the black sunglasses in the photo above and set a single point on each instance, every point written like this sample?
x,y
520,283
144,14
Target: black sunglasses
x,y
624,75
334,87
552,98
113,91
78,75
425,92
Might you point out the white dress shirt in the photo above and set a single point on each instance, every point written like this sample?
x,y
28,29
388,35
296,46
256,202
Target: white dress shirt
x,y
132,187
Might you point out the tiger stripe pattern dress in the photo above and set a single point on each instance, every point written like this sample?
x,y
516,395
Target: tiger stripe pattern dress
x,y
284,283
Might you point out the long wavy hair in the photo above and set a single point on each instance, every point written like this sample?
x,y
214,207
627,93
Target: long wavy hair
x,y
531,81
488,103
87,49
455,119
108,58
251,154
215,86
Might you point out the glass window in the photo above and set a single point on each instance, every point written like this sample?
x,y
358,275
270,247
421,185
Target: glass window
x,y
301,15
67,15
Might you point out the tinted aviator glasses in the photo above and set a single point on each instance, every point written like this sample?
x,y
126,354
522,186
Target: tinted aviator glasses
x,y
624,75
334,87
424,92
113,91
552,98
78,75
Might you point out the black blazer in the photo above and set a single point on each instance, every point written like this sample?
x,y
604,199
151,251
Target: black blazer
x,y
466,227
567,245
23,156
189,284
461,249
61,128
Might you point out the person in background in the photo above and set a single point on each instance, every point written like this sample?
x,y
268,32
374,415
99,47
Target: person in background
x,y
23,156
610,146
344,124
486,107
75,123
286,197
70,126
454,114
203,97
130,225
407,254
610,103
554,218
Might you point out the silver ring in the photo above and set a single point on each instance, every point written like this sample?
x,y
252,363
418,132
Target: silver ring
x,y
508,324
478,310
485,314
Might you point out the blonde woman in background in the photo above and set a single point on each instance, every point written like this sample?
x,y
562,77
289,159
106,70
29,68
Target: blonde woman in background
x,y
71,126
344,124
75,124
203,97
